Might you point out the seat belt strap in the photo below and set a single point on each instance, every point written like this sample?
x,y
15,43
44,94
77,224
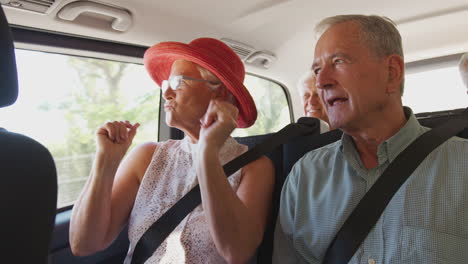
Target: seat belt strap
x,y
160,230
366,214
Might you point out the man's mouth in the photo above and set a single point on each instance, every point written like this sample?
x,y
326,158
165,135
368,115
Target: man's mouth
x,y
336,101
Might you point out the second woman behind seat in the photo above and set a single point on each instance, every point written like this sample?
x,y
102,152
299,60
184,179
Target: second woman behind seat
x,y
205,98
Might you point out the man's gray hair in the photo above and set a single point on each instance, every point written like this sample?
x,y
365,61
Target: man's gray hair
x,y
380,33
463,68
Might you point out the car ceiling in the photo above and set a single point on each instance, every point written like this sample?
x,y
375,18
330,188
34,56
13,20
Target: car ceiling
x,y
430,28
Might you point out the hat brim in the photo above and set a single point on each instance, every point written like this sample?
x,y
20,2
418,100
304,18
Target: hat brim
x,y
158,61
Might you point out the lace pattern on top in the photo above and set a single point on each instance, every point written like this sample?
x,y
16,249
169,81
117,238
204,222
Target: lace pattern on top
x,y
170,175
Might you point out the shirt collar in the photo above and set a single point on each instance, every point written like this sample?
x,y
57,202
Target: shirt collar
x,y
350,152
390,148
407,134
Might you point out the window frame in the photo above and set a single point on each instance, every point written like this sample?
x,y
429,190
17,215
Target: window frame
x,y
285,91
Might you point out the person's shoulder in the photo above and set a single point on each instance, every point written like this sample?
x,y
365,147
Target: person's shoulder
x,y
453,153
262,167
264,163
315,161
458,140
457,145
322,152
142,154
139,158
148,148
144,149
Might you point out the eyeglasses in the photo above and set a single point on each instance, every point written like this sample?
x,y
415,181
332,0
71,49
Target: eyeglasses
x,y
175,82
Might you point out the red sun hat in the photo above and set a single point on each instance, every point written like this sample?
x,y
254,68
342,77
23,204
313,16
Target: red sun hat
x,y
212,55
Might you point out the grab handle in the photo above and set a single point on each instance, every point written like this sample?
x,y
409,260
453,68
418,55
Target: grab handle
x,y
266,59
122,19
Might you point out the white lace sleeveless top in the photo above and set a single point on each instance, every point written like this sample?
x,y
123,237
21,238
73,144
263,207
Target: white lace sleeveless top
x,y
170,175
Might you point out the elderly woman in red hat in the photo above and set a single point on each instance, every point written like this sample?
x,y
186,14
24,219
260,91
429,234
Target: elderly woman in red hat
x,y
202,84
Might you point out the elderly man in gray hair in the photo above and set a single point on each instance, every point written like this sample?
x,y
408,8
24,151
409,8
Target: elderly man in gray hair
x,y
359,68
463,67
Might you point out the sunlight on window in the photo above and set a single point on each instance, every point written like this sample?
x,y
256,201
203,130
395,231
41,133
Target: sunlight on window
x,y
62,101
435,90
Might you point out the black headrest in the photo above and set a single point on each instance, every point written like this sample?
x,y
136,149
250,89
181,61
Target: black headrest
x,y
309,121
434,119
8,75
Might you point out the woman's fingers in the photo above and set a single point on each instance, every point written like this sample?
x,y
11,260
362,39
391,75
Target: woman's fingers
x,y
208,118
109,129
123,131
226,112
118,131
219,110
132,131
217,124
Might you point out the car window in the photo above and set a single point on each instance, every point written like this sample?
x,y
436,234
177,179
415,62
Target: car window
x,y
435,89
272,107
63,99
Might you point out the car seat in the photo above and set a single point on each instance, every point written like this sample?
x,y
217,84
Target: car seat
x,y
28,189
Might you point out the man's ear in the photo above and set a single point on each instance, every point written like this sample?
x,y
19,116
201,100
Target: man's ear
x,y
396,72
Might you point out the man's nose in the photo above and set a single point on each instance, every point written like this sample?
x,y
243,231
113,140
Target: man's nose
x,y
314,99
324,78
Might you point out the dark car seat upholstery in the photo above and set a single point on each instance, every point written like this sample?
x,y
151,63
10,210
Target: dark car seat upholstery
x,y
8,77
28,189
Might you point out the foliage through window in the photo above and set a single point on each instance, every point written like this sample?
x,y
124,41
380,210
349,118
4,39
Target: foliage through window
x,y
64,99
272,107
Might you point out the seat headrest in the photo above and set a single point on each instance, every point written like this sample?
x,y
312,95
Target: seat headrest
x,y
308,121
8,75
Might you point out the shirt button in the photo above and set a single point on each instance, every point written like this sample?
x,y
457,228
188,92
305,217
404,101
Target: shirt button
x,y
371,261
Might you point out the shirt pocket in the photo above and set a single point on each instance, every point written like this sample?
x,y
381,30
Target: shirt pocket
x,y
420,245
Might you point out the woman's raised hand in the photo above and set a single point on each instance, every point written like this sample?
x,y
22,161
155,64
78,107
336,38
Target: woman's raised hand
x,y
217,124
114,138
